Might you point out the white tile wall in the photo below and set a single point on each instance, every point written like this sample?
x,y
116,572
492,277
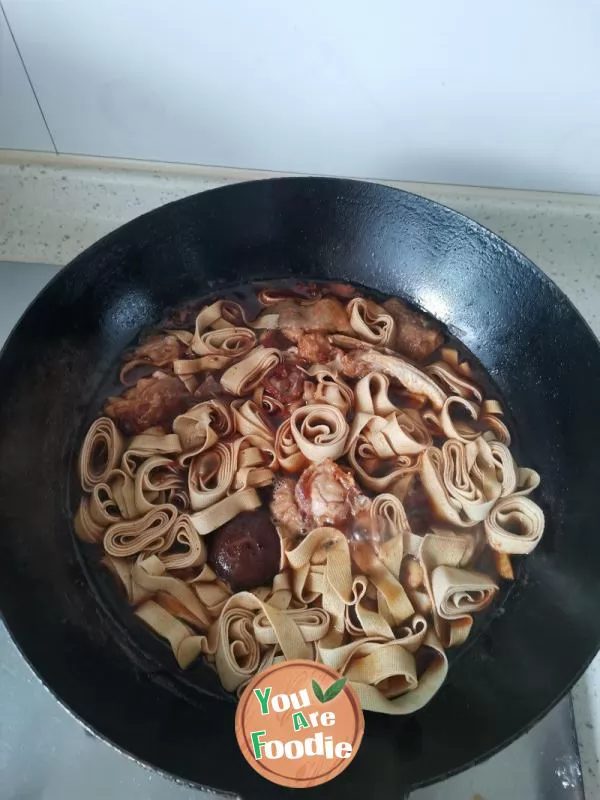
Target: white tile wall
x,y
21,122
501,93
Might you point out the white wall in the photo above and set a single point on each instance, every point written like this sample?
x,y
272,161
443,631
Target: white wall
x,y
501,93
21,122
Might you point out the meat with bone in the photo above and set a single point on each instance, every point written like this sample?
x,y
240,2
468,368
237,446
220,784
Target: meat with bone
x,y
328,495
327,315
284,509
285,383
158,350
314,347
415,335
156,400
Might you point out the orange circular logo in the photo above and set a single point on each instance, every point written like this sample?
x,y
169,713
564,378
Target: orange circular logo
x,y
299,724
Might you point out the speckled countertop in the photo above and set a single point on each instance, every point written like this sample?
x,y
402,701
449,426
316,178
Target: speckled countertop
x,y
52,207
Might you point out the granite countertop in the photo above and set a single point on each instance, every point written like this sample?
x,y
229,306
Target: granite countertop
x,y
52,207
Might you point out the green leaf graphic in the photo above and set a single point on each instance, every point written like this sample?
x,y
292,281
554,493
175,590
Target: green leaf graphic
x,y
318,692
335,688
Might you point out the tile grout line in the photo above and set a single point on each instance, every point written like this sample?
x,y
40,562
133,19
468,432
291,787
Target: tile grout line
x,y
28,76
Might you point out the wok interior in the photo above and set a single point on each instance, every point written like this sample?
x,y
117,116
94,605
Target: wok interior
x,y
531,341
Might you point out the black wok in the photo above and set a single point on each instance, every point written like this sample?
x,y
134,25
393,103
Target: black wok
x,y
113,674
